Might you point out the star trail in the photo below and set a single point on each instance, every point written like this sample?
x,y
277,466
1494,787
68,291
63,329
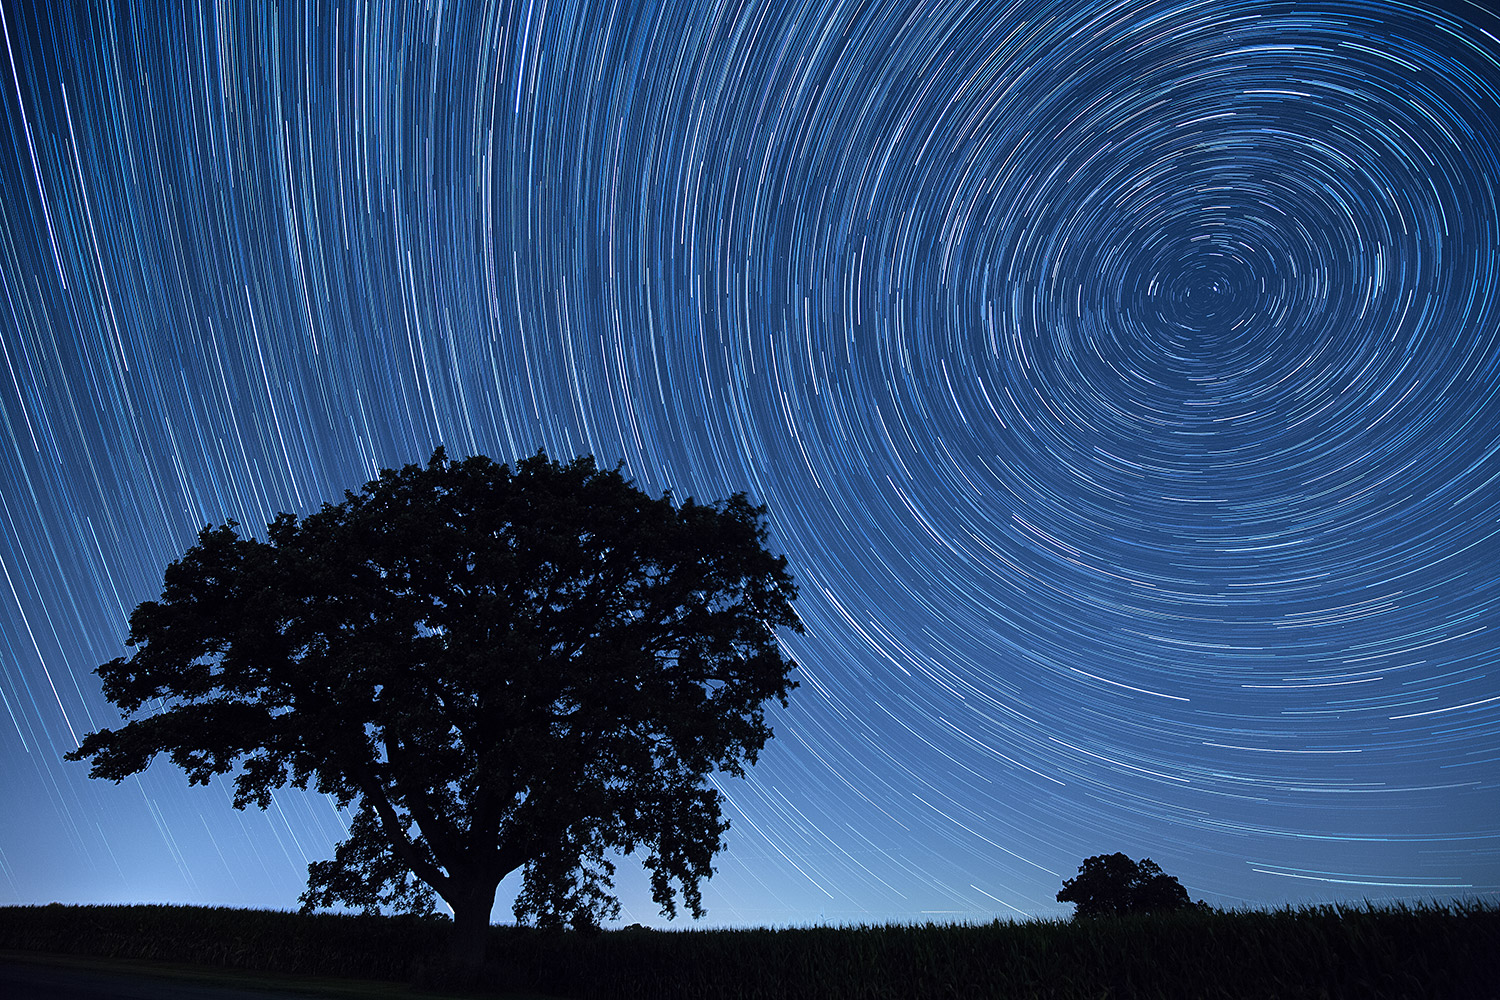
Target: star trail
x,y
1122,378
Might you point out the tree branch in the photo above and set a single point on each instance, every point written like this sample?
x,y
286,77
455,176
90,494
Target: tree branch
x,y
391,823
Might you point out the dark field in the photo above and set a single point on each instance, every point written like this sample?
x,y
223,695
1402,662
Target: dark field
x,y
1324,952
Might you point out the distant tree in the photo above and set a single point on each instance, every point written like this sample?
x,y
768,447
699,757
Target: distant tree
x,y
497,668
1113,884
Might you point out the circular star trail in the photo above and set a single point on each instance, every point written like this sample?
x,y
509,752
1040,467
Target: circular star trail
x,y
1123,383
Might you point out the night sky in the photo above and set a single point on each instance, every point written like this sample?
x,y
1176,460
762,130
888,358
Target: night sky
x,y
1124,387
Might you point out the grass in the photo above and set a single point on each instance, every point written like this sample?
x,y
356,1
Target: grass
x,y
1318,952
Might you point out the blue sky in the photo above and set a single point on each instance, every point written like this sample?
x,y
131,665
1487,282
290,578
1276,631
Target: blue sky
x,y
1123,384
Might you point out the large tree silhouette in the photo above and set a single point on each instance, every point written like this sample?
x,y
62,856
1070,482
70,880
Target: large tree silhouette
x,y
499,669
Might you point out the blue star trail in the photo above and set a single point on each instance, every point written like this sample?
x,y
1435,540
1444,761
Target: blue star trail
x,y
1123,380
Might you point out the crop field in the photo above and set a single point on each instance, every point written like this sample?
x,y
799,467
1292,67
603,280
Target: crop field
x,y
1432,950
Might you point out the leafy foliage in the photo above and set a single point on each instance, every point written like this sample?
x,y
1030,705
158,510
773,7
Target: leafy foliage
x,y
1110,885
497,668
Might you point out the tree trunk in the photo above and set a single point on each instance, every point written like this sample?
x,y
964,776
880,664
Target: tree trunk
x,y
471,931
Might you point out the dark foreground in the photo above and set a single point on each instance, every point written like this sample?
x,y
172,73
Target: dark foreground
x,y
1324,952
21,979
41,976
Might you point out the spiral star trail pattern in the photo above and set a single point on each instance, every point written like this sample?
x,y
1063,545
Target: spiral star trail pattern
x,y
1123,383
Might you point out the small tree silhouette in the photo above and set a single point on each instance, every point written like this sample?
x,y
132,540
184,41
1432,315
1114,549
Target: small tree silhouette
x,y
1112,884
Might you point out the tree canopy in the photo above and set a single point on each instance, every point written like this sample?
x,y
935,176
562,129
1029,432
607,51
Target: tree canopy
x,y
496,668
1113,884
